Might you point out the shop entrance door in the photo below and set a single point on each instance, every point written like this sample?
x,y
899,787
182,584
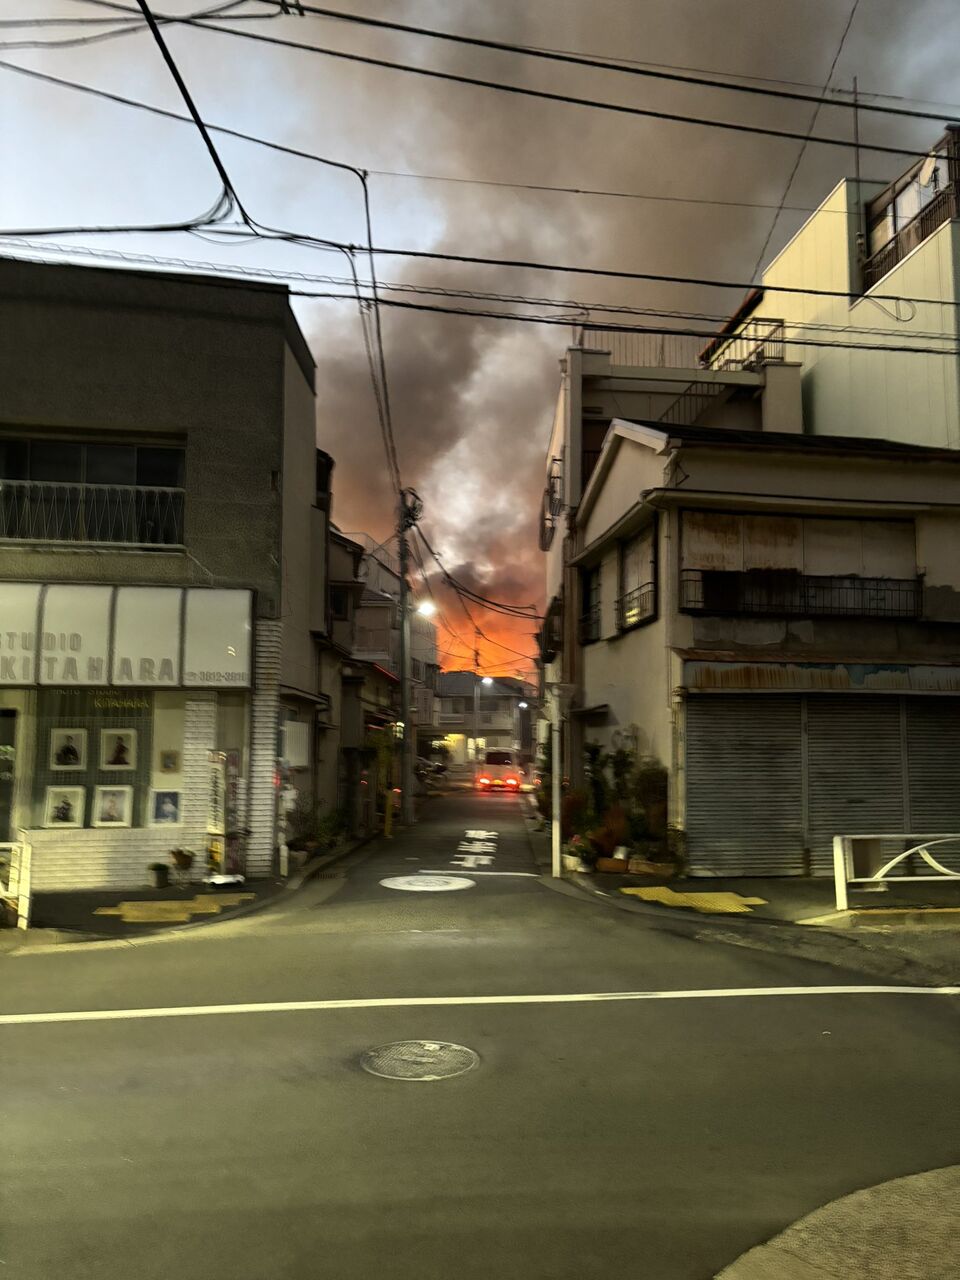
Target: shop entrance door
x,y
8,764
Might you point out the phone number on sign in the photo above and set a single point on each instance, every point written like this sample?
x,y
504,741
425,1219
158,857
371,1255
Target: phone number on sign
x,y
217,677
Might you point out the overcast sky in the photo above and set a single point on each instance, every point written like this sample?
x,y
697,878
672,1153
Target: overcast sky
x,y
472,399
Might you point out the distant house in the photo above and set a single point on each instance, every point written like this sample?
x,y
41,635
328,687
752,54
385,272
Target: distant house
x,y
477,717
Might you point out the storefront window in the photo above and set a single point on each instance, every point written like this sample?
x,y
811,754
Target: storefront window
x,y
94,751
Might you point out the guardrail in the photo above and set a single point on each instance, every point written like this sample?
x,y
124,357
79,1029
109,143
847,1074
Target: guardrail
x,y
15,890
844,860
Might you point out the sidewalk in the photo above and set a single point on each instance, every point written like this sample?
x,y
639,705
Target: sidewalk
x,y
909,934
906,1229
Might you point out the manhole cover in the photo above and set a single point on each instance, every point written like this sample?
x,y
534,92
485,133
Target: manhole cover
x,y
428,884
419,1060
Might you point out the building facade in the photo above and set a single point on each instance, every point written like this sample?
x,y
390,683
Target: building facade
x,y
476,716
163,592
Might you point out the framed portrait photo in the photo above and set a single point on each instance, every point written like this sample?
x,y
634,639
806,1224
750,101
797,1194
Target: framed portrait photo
x,y
165,807
63,807
112,807
118,748
68,749
169,761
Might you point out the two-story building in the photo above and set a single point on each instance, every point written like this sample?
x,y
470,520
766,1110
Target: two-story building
x,y
479,713
776,618
163,595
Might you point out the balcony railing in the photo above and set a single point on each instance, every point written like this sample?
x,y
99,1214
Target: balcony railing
x,y
795,594
756,343
588,628
118,515
635,606
940,209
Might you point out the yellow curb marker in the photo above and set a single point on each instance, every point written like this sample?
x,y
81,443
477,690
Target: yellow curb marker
x,y
166,911
720,903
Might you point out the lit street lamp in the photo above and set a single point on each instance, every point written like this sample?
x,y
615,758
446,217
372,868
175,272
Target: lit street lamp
x,y
476,713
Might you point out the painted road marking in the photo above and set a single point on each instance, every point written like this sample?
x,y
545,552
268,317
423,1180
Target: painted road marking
x,y
532,874
432,882
719,903
173,910
423,1002
472,860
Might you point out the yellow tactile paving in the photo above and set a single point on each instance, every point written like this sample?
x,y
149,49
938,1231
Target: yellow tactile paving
x,y
167,911
722,902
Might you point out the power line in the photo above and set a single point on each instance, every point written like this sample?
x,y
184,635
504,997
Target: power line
x,y
553,320
593,62
247,272
188,100
133,25
616,108
803,146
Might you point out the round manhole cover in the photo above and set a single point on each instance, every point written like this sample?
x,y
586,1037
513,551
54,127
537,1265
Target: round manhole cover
x,y
419,1060
428,884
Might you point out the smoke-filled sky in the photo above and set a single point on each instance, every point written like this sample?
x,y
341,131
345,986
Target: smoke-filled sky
x,y
472,398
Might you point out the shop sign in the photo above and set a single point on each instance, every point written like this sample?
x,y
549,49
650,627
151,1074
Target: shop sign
x,y
216,793
217,636
82,636
18,632
75,635
146,637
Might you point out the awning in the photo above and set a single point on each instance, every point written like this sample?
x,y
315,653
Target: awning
x,y
599,711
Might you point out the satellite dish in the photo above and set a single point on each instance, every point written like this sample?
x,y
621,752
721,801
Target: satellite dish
x,y
928,169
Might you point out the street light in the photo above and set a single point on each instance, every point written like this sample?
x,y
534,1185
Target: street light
x,y
427,608
476,712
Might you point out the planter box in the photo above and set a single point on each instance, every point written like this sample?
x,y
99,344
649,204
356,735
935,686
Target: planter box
x,y
616,865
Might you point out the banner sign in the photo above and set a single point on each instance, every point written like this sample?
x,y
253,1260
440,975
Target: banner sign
x,y
89,636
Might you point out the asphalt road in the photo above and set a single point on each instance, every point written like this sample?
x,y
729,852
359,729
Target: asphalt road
x,y
606,1138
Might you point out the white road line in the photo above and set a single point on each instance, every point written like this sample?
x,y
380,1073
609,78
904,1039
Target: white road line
x,y
475,872
421,1002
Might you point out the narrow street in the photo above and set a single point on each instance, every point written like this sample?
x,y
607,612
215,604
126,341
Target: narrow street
x,y
595,1138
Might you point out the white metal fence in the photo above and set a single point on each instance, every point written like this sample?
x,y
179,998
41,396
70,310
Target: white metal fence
x,y
15,881
885,859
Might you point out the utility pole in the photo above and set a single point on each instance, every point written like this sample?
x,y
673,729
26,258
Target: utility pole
x,y
409,512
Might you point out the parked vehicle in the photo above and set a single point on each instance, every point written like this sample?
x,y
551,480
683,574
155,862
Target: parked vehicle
x,y
500,771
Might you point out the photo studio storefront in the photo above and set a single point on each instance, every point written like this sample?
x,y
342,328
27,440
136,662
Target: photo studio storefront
x,y
126,727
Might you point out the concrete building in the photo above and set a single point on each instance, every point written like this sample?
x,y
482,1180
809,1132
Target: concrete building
x,y
776,618
747,577
855,270
163,592
378,637
477,717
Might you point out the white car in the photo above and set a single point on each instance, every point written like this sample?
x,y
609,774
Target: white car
x,y
500,771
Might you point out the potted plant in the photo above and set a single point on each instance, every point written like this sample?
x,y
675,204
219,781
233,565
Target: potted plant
x,y
161,875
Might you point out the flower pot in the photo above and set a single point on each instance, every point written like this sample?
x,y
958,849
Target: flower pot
x,y
571,862
615,865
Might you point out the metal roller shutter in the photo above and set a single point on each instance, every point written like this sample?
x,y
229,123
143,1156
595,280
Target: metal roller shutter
x,y
933,745
744,789
855,770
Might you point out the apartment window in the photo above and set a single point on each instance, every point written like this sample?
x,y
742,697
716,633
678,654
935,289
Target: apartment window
x,y
636,597
64,491
590,594
793,565
339,604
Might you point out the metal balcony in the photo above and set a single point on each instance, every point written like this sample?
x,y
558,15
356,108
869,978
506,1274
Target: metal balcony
x,y
635,606
790,594
115,515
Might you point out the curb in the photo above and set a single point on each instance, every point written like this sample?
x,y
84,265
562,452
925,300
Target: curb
x,y
54,937
779,937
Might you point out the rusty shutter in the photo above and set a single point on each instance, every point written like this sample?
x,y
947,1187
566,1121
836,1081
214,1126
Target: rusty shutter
x,y
856,782
933,756
744,784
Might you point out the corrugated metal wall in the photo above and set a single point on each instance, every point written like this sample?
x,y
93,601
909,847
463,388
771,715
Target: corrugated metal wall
x,y
772,778
744,781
